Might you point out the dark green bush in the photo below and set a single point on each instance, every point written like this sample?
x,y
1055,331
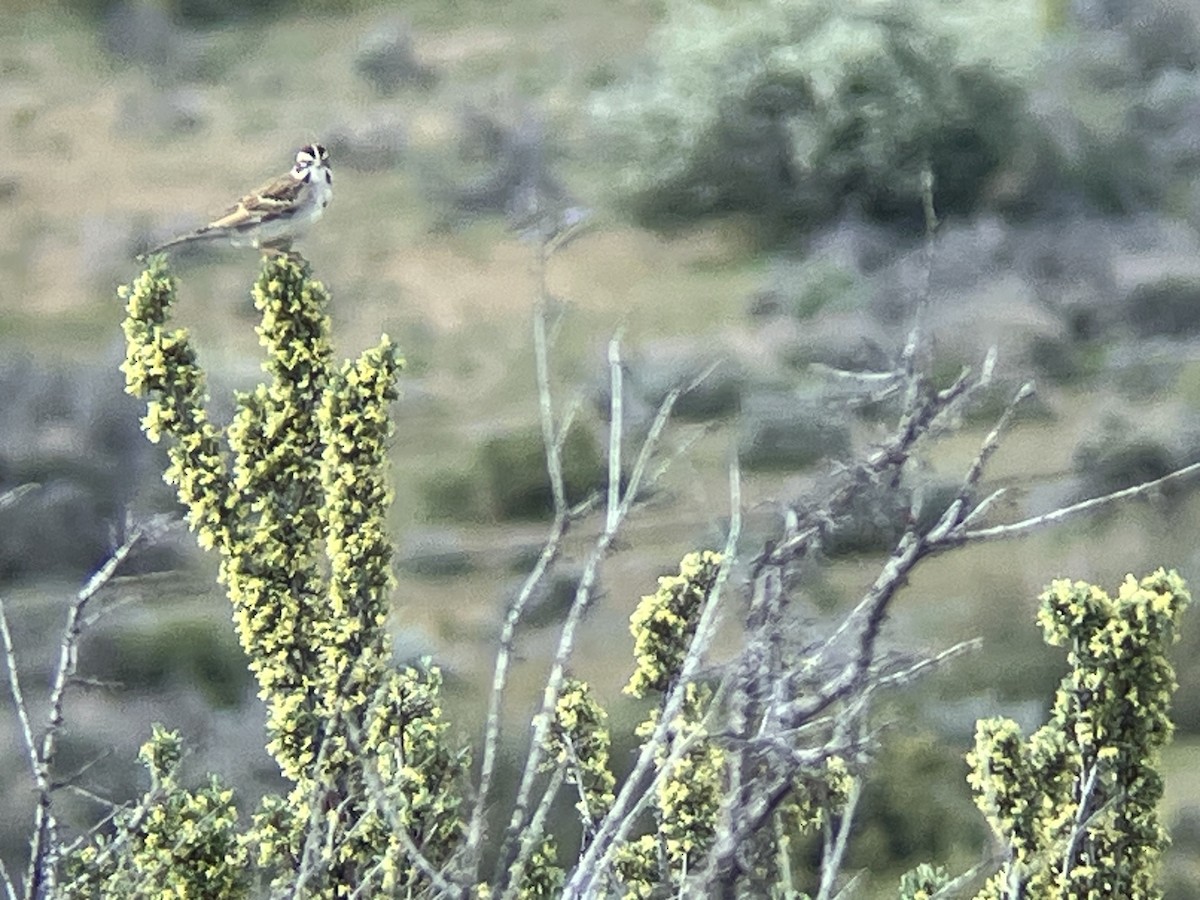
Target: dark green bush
x,y
221,12
1168,306
186,651
1119,459
452,496
915,805
508,479
1064,361
514,472
780,431
790,110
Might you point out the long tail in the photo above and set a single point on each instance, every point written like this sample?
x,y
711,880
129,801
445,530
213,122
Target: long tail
x,y
200,234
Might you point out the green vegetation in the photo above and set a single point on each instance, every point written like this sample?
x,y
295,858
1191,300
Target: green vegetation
x,y
292,498
514,476
1076,806
462,297
790,110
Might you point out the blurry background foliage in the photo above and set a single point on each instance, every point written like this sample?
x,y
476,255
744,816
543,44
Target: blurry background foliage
x,y
748,174
791,110
219,13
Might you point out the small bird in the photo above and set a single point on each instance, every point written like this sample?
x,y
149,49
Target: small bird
x,y
273,216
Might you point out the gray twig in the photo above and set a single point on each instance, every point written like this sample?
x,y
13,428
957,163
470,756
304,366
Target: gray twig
x,y
14,495
533,834
40,876
1033,523
10,889
563,517
615,433
632,796
40,776
835,844
566,644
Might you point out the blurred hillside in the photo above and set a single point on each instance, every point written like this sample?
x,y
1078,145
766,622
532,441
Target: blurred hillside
x,y
748,181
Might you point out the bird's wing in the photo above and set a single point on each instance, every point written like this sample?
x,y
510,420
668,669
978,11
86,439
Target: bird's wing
x,y
271,199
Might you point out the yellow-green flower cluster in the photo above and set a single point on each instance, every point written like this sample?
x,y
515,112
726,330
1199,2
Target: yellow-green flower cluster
x,y
543,877
276,837
180,844
405,745
354,426
923,882
258,500
665,622
579,740
1076,803
689,798
686,804
160,365
399,783
296,503
636,863
816,796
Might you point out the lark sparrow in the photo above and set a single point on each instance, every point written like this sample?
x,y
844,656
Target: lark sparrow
x,y
271,217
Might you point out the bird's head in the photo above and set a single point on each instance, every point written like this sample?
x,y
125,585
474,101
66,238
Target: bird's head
x,y
310,158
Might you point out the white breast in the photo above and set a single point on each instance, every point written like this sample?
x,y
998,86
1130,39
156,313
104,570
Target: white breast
x,y
315,199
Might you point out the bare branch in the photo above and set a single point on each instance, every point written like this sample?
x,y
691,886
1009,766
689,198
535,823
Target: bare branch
x,y
95,615
553,442
103,684
1085,815
492,724
106,851
806,527
108,804
68,781
704,375
533,834
850,891
909,357
992,442
866,378
14,688
642,462
568,420
787,882
1033,523
40,877
546,410
856,679
957,885
14,495
911,673
616,419
577,772
566,644
10,889
984,505
835,845
635,803
632,797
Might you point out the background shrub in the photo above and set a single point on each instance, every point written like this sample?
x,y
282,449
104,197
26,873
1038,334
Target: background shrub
x,y
514,471
789,111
